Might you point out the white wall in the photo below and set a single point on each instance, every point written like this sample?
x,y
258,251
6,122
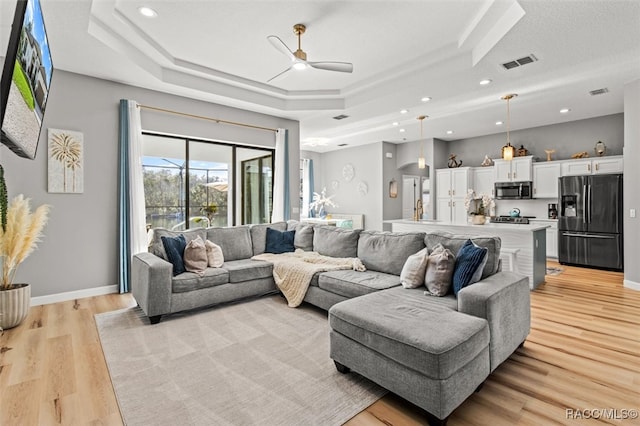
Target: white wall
x,y
631,181
367,162
80,247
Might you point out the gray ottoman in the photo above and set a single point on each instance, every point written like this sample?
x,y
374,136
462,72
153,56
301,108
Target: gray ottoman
x,y
425,352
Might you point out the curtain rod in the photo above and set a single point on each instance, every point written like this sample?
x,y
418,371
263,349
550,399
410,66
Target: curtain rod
x,y
201,117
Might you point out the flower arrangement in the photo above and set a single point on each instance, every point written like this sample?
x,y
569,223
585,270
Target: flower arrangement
x,y
478,204
320,202
19,236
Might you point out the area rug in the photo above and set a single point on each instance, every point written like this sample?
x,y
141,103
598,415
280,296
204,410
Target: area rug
x,y
554,270
248,363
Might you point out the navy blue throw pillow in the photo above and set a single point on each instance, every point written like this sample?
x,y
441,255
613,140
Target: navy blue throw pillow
x,y
174,247
470,257
279,241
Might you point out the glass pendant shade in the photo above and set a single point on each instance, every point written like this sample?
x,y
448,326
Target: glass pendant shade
x,y
508,149
422,162
393,189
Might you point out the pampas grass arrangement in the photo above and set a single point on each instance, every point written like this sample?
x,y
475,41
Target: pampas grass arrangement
x,y
20,237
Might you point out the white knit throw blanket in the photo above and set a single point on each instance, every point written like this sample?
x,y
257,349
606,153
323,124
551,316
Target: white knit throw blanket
x,y
293,272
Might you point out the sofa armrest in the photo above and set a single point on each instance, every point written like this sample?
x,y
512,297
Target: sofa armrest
x,y
151,283
503,300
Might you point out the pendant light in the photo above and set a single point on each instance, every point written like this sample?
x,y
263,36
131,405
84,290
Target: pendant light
x,y
421,160
507,150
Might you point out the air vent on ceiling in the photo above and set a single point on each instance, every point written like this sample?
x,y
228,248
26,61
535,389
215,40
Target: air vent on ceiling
x,y
599,91
340,117
343,144
519,62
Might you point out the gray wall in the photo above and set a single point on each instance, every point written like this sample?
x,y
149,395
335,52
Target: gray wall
x,y
391,207
80,247
631,180
367,163
565,138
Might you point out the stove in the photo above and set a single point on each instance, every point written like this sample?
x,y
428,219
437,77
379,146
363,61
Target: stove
x,y
521,220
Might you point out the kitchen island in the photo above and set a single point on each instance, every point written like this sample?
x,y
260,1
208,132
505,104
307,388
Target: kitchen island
x,y
527,243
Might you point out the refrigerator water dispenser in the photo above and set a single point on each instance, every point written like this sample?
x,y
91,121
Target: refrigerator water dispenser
x,y
568,206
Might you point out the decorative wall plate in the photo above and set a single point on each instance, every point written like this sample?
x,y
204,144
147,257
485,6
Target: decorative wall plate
x,y
335,184
363,188
348,172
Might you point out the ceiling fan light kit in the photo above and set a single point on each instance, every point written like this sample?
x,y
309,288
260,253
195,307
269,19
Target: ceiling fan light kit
x,y
299,57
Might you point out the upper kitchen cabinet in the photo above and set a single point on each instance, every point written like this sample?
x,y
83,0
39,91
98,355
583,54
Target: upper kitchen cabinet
x,y
516,170
453,182
483,180
545,179
594,166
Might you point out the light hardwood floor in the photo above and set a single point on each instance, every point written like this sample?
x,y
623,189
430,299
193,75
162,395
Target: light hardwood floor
x,y
583,353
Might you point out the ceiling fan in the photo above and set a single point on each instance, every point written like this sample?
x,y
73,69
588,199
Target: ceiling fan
x,y
299,57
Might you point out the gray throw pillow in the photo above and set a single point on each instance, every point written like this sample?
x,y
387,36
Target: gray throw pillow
x,y
335,242
439,274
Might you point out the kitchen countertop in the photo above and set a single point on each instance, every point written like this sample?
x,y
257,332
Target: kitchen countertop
x,y
489,227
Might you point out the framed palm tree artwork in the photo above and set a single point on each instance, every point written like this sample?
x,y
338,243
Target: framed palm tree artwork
x,y
66,158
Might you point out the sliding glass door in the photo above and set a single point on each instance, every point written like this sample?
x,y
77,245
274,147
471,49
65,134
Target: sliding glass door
x,y
192,183
257,187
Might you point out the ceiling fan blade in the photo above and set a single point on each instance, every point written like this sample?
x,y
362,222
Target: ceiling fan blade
x,y
332,66
281,47
278,75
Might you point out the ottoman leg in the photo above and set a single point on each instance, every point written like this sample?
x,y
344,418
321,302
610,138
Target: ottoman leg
x,y
479,387
434,421
342,368
155,319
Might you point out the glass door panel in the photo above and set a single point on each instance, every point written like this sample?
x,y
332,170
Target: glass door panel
x,y
210,191
164,175
256,170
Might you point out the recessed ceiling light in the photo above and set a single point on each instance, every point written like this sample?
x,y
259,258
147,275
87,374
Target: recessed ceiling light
x,y
499,123
564,110
449,132
401,130
485,82
426,99
395,123
404,111
147,11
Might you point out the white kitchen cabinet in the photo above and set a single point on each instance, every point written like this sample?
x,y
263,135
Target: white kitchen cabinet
x,y
595,166
552,235
545,179
483,180
451,188
516,170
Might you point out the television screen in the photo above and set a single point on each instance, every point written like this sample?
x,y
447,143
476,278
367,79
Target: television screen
x,y
26,80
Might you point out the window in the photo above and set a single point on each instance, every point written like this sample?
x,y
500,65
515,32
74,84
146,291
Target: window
x,y
190,183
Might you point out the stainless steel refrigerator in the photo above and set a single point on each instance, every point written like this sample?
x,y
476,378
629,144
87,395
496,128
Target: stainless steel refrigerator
x,y
590,221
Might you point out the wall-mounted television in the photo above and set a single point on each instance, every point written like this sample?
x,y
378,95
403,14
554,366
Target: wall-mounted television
x,y
26,80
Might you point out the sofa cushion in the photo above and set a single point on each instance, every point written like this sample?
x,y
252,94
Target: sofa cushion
x,y
195,256
215,257
247,269
156,247
388,251
189,281
235,241
439,274
410,329
279,241
455,242
336,242
259,235
174,248
303,239
470,261
413,271
349,283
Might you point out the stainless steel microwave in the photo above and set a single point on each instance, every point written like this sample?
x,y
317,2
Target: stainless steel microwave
x,y
513,190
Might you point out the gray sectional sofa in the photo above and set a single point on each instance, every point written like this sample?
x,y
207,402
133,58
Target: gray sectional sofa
x,y
432,351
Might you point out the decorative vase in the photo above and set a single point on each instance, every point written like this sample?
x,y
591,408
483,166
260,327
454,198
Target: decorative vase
x,y
323,213
478,219
14,305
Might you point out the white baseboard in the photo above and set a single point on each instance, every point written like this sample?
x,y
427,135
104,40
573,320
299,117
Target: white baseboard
x,y
72,295
632,285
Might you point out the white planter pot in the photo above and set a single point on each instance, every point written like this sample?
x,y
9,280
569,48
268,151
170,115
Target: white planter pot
x,y
14,305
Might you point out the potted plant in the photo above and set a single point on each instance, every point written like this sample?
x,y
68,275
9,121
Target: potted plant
x,y
19,234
